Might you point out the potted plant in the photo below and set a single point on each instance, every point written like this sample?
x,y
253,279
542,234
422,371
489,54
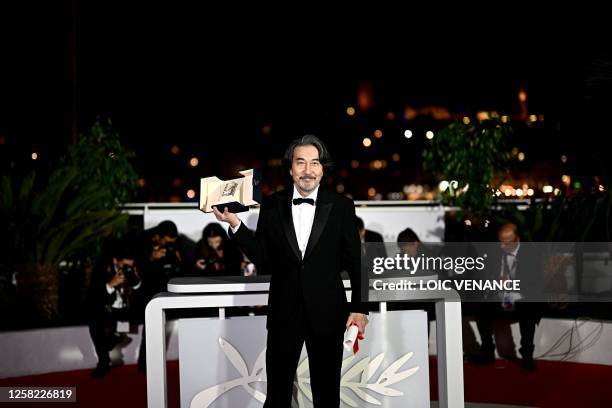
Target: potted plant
x,y
48,219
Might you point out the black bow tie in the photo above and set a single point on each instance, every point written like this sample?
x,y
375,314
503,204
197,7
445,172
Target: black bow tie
x,y
298,201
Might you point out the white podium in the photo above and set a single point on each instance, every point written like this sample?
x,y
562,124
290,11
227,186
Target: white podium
x,y
187,293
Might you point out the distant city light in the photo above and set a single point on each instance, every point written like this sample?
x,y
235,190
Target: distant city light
x,y
378,133
522,96
408,134
367,142
482,115
601,188
429,134
340,188
466,120
175,149
354,164
34,156
566,179
521,156
533,118
371,192
390,115
530,192
519,192
395,157
141,182
350,111
504,119
190,194
547,189
563,159
266,129
194,162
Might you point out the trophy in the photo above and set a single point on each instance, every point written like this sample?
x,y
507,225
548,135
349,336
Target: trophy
x,y
237,195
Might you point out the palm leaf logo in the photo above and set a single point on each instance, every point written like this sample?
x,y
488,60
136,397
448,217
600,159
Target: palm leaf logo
x,y
357,378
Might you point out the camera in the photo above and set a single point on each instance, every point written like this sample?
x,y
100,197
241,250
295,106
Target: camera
x,y
130,275
171,263
171,257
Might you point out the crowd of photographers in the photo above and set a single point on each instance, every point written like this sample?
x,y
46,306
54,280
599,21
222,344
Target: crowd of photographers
x,y
133,272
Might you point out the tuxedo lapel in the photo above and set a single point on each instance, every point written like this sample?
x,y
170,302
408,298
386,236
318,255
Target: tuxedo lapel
x,y
284,208
323,208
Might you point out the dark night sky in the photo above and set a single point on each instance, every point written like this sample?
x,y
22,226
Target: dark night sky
x,y
175,75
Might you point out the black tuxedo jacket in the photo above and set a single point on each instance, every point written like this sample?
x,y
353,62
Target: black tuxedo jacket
x,y
528,270
314,283
100,301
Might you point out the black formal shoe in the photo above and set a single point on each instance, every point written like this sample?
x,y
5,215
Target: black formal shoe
x,y
119,339
142,366
528,363
101,370
482,358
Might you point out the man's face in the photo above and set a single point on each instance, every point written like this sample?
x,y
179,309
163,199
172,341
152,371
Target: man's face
x,y
214,242
306,169
409,248
166,240
508,240
121,263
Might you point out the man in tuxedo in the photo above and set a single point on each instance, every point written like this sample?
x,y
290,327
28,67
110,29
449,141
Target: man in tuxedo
x,y
372,246
513,261
114,297
305,237
367,235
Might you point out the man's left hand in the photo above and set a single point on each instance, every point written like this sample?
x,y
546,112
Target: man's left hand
x,y
359,319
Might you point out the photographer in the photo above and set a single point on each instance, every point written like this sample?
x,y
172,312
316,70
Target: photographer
x,y
114,291
215,254
164,254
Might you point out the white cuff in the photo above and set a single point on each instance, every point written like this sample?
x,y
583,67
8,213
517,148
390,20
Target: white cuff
x,y
109,289
236,229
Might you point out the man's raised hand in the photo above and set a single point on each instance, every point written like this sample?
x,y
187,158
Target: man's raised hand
x,y
226,216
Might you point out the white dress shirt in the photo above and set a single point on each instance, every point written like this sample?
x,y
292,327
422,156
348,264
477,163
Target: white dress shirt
x,y
118,302
508,298
511,259
303,217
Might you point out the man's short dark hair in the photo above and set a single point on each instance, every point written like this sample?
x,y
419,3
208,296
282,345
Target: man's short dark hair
x,y
167,229
119,249
408,235
359,222
309,140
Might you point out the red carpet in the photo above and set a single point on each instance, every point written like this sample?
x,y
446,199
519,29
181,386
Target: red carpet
x,y
553,384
